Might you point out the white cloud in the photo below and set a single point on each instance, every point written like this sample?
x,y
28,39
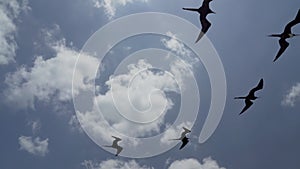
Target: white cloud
x,y
292,96
174,45
48,78
191,163
9,12
34,146
143,95
114,164
143,82
110,6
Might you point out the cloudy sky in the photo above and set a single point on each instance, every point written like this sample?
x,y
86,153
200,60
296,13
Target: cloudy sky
x,y
43,127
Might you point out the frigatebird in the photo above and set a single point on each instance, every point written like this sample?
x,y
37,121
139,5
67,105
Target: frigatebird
x,y
115,145
287,33
204,10
183,137
251,96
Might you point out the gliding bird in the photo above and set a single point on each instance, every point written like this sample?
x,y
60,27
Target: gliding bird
x,y
183,137
115,145
251,96
287,33
204,10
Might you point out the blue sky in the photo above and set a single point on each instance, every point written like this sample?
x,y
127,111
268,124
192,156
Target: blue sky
x,y
41,40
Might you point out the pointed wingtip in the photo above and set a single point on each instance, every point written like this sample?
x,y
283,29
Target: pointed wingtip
x,y
241,113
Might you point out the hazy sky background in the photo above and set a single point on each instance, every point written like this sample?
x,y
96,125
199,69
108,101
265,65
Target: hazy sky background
x,y
39,43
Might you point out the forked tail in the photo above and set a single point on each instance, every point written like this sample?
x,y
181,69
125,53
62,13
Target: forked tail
x,y
191,9
240,98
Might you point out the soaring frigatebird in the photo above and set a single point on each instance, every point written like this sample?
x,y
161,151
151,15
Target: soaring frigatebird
x,y
287,33
251,96
115,145
204,10
183,137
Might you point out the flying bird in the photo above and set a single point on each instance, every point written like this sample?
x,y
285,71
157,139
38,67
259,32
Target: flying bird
x,y
115,145
183,137
204,10
251,96
287,33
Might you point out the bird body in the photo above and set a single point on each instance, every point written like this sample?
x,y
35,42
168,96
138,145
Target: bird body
x,y
115,145
204,10
251,96
287,33
183,137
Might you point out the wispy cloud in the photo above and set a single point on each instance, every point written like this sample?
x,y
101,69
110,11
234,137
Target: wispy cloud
x,y
35,126
177,47
34,146
110,6
292,96
9,12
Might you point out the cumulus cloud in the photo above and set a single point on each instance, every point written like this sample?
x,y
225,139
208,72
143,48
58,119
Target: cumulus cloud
x,y
34,146
140,90
292,96
207,163
110,6
140,85
114,164
191,163
9,12
48,78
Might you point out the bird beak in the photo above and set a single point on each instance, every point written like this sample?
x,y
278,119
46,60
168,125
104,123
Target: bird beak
x,y
297,34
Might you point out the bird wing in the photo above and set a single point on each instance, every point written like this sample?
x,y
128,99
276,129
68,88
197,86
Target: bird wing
x,y
205,26
288,27
185,140
117,139
283,45
259,86
119,149
247,106
186,130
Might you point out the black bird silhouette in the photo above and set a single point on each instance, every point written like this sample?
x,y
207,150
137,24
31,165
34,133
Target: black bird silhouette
x,y
204,10
185,140
115,145
251,96
287,33
183,137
